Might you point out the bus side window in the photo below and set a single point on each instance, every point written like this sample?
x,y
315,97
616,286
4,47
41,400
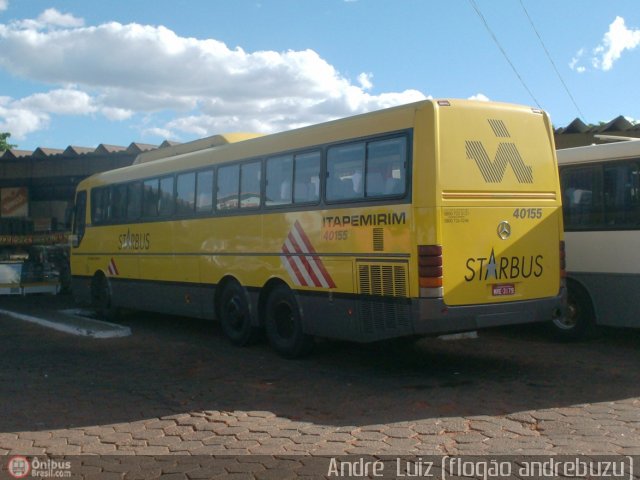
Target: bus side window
x,y
204,191
582,203
134,200
386,165
250,185
150,198
165,196
100,205
228,186
307,172
118,202
185,193
279,177
345,164
620,194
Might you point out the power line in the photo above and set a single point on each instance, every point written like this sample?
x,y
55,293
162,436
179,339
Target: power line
x,y
551,60
495,39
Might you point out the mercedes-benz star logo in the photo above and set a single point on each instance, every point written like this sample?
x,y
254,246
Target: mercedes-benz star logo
x,y
504,230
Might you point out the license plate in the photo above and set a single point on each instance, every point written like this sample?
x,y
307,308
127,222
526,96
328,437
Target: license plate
x,y
504,289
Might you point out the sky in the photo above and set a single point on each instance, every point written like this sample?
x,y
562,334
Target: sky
x,y
74,72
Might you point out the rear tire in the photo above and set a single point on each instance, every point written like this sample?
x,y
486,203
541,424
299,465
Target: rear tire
x,y
284,324
235,316
580,320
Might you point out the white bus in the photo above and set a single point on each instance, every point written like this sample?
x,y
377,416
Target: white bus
x,y
601,206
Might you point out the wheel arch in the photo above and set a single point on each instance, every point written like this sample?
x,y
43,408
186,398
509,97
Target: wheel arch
x,y
98,275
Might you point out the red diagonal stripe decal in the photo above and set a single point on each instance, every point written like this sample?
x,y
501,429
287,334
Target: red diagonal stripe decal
x,y
302,261
314,258
293,268
305,261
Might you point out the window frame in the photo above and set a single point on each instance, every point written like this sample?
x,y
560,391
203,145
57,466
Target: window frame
x,y
319,202
599,167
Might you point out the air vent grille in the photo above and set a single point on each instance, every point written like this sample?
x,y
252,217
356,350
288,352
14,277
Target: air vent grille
x,y
384,309
388,280
378,240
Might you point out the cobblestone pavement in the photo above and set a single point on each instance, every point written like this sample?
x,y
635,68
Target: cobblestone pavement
x,y
176,386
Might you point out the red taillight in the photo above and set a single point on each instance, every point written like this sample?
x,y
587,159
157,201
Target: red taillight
x,y
563,260
430,266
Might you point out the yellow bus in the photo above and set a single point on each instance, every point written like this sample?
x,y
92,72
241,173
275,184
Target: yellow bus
x,y
435,217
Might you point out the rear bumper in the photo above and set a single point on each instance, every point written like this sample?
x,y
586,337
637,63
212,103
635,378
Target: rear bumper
x,y
433,316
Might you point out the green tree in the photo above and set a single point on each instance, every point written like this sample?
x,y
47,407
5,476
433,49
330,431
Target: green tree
x,y
4,144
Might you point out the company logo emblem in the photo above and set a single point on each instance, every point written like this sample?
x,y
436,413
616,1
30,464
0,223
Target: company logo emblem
x,y
19,467
302,262
504,230
507,154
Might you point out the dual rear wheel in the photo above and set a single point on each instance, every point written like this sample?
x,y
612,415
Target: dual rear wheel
x,y
282,322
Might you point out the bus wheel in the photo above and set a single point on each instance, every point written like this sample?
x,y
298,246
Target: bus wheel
x,y
284,324
235,316
101,298
580,320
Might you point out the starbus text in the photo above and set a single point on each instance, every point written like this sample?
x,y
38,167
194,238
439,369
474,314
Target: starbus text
x,y
503,268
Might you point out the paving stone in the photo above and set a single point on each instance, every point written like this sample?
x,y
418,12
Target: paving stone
x,y
185,446
395,432
207,398
118,437
99,448
35,435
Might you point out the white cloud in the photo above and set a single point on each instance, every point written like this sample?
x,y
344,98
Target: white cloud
x,y
159,132
20,121
123,70
32,113
614,42
575,60
364,79
116,113
4,4
481,97
618,39
62,102
50,18
53,17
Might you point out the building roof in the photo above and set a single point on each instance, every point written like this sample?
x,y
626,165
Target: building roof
x,y
578,133
42,152
73,150
13,154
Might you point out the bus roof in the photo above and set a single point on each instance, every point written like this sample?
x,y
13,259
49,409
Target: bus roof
x,y
595,153
194,146
231,148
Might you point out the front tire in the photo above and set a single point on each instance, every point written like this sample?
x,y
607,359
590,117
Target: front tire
x,y
580,320
235,316
102,299
284,324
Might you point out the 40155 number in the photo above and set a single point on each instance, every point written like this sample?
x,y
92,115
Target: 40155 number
x,y
331,235
524,213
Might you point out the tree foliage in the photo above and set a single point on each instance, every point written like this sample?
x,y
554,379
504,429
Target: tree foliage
x,y
4,144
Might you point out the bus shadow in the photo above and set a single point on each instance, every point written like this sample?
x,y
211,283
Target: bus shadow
x,y
175,365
